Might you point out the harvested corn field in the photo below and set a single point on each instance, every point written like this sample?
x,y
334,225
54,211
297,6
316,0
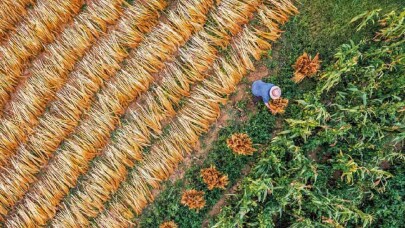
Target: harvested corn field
x,y
101,100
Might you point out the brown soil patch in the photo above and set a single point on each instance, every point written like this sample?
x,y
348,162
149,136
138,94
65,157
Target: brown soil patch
x,y
259,73
313,155
385,165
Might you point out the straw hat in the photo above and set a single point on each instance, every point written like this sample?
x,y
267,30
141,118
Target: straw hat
x,y
275,92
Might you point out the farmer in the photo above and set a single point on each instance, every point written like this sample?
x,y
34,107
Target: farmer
x,y
265,91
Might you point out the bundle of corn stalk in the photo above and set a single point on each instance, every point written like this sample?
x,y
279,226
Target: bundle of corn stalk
x,y
213,178
158,104
63,115
93,132
50,72
191,122
305,66
11,12
240,144
26,41
278,106
168,224
193,199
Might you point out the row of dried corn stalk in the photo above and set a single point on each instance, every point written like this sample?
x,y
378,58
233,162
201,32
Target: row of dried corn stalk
x,y
61,118
38,28
191,66
50,72
93,131
194,119
11,12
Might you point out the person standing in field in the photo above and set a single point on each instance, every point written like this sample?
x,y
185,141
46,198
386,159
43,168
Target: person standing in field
x,y
265,91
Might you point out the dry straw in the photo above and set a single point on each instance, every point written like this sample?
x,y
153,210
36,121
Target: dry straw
x,y
305,66
193,120
201,110
27,40
241,144
193,199
50,72
278,106
94,130
168,224
11,12
62,114
157,105
213,178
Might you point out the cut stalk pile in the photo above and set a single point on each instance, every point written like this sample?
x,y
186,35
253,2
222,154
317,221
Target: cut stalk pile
x,y
67,159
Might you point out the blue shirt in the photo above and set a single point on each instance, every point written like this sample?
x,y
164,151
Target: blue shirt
x,y
262,89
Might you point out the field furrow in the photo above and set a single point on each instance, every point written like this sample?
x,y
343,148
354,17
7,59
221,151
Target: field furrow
x,y
40,27
195,117
33,155
11,12
50,72
109,170
93,131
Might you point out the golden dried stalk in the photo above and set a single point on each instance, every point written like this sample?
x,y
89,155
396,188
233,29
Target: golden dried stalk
x,y
193,199
202,109
26,41
49,72
62,118
168,224
204,126
278,106
240,143
94,131
306,66
11,12
158,105
185,133
213,178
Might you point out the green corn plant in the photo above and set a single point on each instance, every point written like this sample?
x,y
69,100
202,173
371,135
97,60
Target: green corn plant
x,y
341,153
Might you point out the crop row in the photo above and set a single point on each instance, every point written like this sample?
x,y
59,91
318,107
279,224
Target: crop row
x,y
27,40
49,73
116,168
192,120
11,12
93,131
58,121
154,106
